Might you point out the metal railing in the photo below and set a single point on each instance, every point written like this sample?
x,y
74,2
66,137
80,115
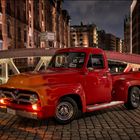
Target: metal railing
x,y
7,59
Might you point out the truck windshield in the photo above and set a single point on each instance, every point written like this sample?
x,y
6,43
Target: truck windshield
x,y
68,60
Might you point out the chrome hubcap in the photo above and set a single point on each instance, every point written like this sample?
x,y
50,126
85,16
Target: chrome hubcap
x,y
135,98
64,111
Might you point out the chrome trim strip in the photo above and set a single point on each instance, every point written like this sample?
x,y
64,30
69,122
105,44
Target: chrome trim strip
x,y
9,93
104,105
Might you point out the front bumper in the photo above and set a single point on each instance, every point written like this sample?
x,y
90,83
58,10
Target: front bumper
x,y
43,113
22,113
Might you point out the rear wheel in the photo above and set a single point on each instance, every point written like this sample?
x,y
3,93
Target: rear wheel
x,y
133,98
66,110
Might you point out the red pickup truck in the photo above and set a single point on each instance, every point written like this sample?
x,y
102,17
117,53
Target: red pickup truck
x,y
77,80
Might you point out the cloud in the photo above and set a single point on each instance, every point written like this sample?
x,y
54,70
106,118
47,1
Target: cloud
x,y
106,14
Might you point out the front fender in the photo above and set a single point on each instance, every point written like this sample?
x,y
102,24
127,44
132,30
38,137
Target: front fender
x,y
50,94
121,88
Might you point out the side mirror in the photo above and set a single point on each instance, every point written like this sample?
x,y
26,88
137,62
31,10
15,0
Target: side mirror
x,y
90,68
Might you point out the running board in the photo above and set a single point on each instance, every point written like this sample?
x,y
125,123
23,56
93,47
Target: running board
x,y
103,105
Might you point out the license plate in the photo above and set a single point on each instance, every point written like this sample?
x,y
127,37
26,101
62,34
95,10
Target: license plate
x,y
11,111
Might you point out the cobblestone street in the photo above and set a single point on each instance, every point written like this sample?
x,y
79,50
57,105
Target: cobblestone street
x,y
114,123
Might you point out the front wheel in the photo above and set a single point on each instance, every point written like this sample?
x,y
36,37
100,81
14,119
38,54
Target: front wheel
x,y
133,98
66,110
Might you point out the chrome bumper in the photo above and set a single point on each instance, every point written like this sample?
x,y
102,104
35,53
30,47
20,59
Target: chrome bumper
x,y
21,113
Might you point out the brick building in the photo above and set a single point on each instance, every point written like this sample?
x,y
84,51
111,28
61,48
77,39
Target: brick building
x,y
89,36
84,35
25,24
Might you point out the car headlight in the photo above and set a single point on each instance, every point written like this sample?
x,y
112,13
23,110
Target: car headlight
x,y
33,99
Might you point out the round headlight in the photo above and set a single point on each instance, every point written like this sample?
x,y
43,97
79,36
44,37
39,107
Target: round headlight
x,y
33,99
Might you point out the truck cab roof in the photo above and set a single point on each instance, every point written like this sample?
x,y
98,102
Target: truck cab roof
x,y
82,49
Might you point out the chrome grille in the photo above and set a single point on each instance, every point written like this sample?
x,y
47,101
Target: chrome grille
x,y
17,96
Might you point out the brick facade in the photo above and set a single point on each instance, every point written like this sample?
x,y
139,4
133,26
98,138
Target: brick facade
x,y
23,21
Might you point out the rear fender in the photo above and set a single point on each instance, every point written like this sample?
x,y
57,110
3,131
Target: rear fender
x,y
121,88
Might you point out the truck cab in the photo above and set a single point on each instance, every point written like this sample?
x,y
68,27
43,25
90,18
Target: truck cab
x,y
95,71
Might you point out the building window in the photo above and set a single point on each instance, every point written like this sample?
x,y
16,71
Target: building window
x,y
24,11
0,7
0,18
0,31
0,44
25,36
30,42
8,29
8,8
19,34
18,13
42,5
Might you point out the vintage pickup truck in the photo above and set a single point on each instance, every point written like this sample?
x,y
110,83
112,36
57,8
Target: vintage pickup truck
x,y
76,81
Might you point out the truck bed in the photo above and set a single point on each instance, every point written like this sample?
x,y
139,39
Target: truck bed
x,y
126,75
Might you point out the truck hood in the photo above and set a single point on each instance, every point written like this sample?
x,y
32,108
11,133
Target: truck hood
x,y
32,79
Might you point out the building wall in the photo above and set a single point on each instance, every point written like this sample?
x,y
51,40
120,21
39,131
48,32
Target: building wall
x,y
21,26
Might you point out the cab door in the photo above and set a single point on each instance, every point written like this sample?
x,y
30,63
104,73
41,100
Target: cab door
x,y
97,81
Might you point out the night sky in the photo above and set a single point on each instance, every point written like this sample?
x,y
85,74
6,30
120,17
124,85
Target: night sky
x,y
106,14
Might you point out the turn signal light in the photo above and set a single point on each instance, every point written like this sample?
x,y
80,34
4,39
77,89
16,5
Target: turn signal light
x,y
2,101
35,107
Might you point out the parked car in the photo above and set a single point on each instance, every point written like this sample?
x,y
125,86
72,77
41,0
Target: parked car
x,y
77,80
